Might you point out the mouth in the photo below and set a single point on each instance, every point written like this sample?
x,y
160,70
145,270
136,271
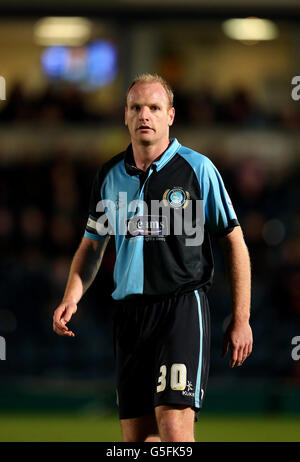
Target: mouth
x,y
144,128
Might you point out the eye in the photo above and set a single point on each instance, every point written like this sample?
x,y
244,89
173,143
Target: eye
x,y
135,107
154,107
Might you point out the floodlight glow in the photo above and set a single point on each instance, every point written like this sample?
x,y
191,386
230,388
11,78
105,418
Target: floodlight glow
x,y
62,31
250,29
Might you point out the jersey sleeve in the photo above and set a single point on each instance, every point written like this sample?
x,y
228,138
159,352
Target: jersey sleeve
x,y
220,217
97,226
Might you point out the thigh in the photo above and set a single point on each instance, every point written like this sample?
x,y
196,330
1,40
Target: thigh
x,y
182,353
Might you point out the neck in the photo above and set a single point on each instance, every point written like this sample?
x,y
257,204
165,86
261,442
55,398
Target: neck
x,y
145,155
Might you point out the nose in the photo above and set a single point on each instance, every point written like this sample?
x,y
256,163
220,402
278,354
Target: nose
x,y
144,113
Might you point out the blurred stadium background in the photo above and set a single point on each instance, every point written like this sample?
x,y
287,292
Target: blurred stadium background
x,y
62,118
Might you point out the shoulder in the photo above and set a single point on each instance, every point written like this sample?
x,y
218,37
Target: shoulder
x,y
108,166
199,162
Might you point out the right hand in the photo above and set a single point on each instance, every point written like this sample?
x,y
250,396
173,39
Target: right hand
x,y
62,316
238,337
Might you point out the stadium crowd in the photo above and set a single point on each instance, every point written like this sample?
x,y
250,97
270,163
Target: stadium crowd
x,y
65,103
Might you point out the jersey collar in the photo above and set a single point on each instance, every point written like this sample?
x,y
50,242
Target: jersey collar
x,y
158,165
167,155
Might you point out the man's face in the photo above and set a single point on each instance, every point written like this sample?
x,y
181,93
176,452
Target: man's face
x,y
148,114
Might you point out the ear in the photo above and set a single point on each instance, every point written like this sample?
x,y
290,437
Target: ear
x,y
171,116
125,116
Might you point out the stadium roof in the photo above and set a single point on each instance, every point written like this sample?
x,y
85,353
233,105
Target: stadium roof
x,y
148,8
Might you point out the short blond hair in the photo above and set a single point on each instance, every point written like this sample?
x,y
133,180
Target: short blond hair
x,y
150,78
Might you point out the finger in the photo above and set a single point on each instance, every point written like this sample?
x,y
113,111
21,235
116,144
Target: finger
x,y
69,334
246,352
68,314
58,329
63,323
242,355
62,332
66,334
60,325
234,356
58,312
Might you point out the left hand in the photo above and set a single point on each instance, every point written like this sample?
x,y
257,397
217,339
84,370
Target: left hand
x,y
238,336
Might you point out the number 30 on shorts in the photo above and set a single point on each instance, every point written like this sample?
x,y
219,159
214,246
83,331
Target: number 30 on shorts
x,y
178,377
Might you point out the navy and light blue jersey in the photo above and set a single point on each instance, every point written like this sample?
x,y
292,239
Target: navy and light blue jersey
x,y
152,256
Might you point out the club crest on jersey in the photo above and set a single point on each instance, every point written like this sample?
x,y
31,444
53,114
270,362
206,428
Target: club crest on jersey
x,y
176,197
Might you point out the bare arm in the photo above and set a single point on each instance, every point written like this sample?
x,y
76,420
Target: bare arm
x,y
238,335
84,267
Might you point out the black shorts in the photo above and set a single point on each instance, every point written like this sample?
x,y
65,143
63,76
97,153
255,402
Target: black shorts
x,y
162,353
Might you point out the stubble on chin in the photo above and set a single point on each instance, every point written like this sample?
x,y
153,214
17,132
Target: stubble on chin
x,y
145,142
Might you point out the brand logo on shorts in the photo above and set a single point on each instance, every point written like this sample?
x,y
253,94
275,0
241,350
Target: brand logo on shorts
x,y
176,197
189,389
189,386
